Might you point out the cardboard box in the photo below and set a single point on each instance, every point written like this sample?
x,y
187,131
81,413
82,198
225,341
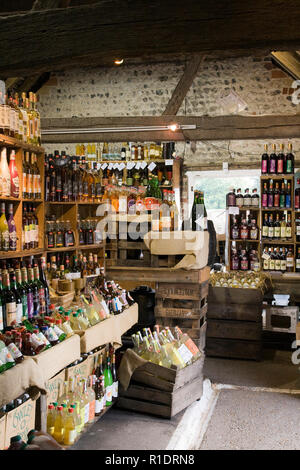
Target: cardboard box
x,y
58,357
109,331
82,369
55,387
2,431
298,334
20,421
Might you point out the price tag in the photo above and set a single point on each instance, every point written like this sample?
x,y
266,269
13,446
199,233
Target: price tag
x,y
143,165
233,210
151,166
103,166
169,162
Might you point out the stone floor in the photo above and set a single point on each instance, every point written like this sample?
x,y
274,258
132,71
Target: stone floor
x,y
247,418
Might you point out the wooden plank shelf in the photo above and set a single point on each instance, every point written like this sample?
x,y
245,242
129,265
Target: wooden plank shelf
x,y
277,242
276,177
242,240
20,254
8,141
277,209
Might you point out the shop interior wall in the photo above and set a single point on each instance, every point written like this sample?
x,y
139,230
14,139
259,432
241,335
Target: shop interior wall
x,y
139,90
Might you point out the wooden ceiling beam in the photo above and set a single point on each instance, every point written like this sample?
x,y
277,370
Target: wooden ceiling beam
x,y
53,39
207,128
183,85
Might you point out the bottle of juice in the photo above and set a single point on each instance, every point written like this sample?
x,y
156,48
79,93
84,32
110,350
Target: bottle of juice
x,y
50,419
70,428
92,399
66,327
92,315
59,425
77,417
189,343
83,320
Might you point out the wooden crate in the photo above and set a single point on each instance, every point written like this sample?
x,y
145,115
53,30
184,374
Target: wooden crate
x,y
234,323
281,319
161,391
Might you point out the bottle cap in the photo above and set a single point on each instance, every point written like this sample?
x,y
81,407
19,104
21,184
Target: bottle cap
x,y
16,438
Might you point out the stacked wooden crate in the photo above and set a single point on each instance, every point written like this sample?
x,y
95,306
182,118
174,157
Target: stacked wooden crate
x,y
234,323
184,304
160,391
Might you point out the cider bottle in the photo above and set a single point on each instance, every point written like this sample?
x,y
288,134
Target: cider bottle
x,y
70,428
59,425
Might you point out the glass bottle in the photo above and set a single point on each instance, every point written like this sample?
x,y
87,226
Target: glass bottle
x,y
265,161
273,161
5,181
14,176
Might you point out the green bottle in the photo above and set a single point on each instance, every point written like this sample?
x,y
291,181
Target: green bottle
x,y
108,382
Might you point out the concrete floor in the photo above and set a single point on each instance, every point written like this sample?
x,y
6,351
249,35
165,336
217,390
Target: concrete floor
x,y
246,420
241,419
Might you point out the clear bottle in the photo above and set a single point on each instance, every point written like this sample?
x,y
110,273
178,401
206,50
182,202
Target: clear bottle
x,y
59,425
50,419
70,428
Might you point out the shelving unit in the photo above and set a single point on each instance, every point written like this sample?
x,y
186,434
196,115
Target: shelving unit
x,y
274,210
71,209
244,243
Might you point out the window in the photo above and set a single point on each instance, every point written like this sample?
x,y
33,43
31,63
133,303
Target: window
x,y
215,185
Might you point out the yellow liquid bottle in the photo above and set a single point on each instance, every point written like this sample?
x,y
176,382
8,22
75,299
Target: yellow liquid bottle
x,y
59,425
50,419
77,418
70,428
79,402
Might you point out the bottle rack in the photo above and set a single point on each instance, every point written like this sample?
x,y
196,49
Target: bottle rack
x,y
255,244
260,243
66,210
274,210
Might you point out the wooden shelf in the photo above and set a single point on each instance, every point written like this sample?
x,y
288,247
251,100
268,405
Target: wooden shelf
x,y
91,247
240,240
277,177
63,248
20,254
277,242
16,143
276,209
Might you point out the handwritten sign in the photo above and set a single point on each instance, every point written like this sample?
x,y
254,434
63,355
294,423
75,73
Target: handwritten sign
x,y
20,421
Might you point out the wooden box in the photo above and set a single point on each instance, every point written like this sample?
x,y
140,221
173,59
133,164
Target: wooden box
x,y
161,391
234,323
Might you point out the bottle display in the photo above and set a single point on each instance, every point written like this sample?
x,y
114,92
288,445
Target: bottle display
x,y
278,163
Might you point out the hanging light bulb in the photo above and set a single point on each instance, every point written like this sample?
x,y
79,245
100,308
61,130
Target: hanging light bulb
x,y
118,61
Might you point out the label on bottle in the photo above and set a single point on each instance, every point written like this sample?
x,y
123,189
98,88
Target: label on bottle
x,y
99,405
1,318
30,304
276,200
5,356
271,232
14,351
51,335
277,265
86,413
108,393
43,338
115,389
92,411
288,232
288,166
270,200
264,200
264,166
58,331
277,232
253,233
265,231
244,265
298,264
282,232
235,264
297,200
11,312
298,230
244,233
266,264
192,347
4,184
289,262
19,313
280,166
42,301
287,200
185,353
69,436
36,341
29,185
272,165
272,264
283,265
235,233
166,222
